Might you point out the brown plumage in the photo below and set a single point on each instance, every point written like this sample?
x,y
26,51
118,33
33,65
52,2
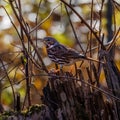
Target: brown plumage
x,y
61,54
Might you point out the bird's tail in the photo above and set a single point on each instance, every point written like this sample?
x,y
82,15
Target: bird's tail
x,y
91,59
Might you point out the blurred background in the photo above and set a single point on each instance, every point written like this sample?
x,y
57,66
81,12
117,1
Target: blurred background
x,y
12,70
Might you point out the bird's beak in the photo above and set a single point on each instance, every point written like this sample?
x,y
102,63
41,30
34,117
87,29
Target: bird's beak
x,y
43,40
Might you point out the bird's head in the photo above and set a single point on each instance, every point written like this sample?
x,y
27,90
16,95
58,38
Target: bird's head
x,y
50,41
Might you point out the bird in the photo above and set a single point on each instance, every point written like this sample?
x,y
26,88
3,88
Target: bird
x,y
61,54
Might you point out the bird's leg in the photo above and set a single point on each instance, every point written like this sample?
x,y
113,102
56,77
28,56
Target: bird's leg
x,y
75,69
57,69
61,66
56,66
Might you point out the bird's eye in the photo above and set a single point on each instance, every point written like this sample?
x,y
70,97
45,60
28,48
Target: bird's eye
x,y
48,39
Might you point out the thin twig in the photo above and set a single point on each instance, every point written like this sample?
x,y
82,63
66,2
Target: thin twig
x,y
28,37
9,81
72,78
74,30
83,21
113,40
45,18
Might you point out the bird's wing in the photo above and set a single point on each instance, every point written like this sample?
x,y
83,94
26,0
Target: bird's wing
x,y
72,53
67,54
64,52
57,49
61,50
58,54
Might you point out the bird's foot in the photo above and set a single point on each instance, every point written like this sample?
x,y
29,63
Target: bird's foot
x,y
53,70
56,71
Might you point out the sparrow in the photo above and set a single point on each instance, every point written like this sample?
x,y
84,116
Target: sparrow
x,y
61,54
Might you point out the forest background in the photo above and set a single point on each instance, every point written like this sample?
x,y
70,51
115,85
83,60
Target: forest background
x,y
91,27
